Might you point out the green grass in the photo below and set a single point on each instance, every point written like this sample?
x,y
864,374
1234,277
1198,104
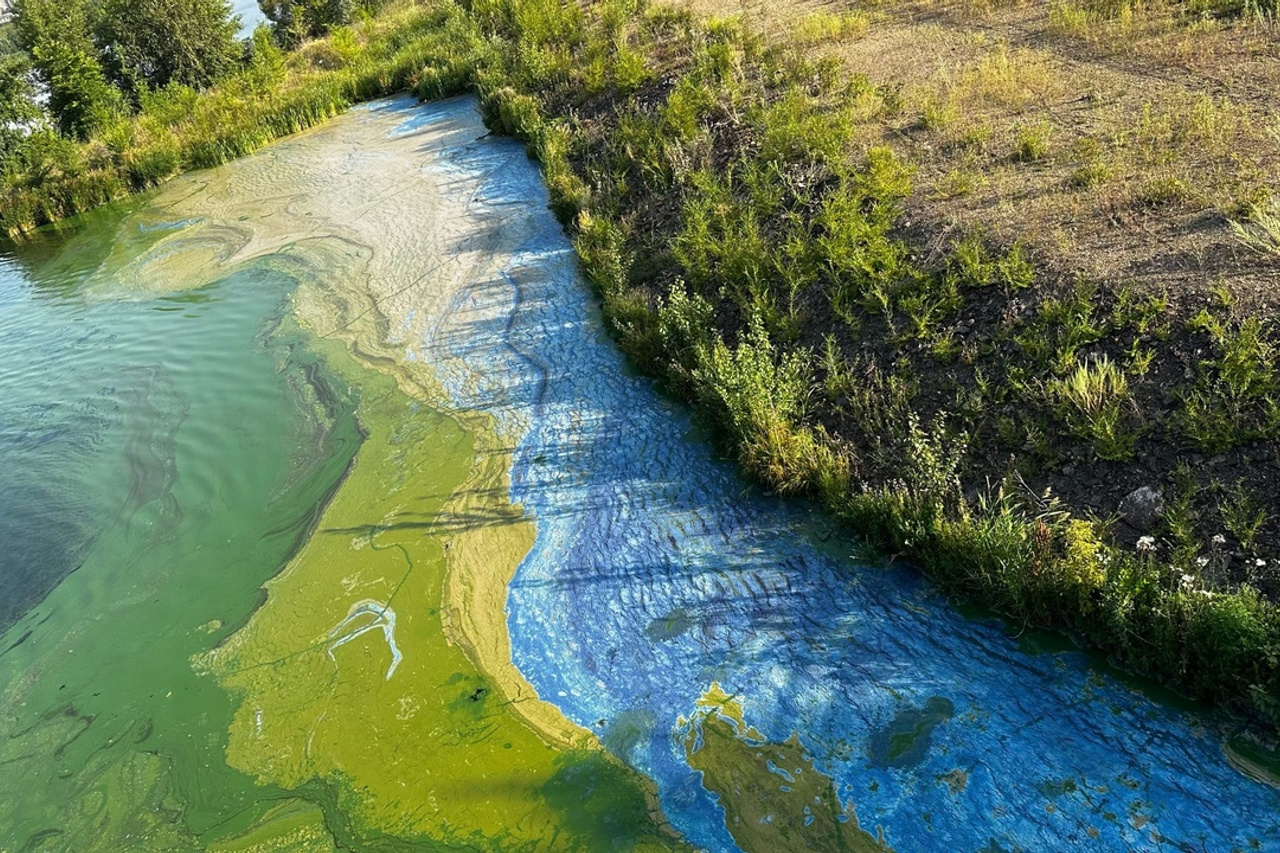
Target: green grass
x,y
1242,515
722,216
1091,18
1261,231
1233,399
818,27
1033,142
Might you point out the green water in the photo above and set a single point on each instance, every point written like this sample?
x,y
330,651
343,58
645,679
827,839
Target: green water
x,y
196,490
163,455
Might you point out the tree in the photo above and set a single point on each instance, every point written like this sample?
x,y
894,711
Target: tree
x,y
295,20
18,110
153,43
9,39
57,34
80,98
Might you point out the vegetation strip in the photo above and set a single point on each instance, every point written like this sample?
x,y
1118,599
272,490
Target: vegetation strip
x,y
735,205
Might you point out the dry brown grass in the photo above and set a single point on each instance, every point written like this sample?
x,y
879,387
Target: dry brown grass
x,y
1118,146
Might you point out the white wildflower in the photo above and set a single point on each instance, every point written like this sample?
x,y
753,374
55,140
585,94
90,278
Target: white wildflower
x,y
1202,561
1147,543
1219,539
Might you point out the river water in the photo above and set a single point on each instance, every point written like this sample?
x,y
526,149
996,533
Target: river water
x,y
513,600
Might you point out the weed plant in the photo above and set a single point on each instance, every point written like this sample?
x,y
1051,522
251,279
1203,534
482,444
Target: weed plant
x,y
1094,401
1261,232
1233,400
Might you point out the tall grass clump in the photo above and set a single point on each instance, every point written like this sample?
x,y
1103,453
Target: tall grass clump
x,y
819,27
1095,402
1261,231
1233,399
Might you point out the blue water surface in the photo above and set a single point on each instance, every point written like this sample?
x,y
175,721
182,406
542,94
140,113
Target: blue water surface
x,y
657,571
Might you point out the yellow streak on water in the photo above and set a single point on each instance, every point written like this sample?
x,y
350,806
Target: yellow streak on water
x,y
429,750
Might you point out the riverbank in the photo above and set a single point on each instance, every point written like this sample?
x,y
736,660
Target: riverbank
x,y
736,206
667,606
656,570
178,129
739,203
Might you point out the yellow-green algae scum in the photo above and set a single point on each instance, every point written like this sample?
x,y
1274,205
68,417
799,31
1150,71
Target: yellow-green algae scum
x,y
376,706
772,795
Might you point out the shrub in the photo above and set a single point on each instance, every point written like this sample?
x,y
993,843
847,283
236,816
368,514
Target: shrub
x,y
795,128
1242,515
972,265
1261,232
751,388
1031,142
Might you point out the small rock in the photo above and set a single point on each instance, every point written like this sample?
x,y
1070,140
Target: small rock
x,y
1068,470
1142,508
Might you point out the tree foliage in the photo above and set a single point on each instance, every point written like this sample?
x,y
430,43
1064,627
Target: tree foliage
x,y
58,35
295,20
152,43
18,110
9,39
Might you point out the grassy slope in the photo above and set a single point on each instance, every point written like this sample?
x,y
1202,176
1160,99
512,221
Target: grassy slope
x,y
1116,150
769,226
